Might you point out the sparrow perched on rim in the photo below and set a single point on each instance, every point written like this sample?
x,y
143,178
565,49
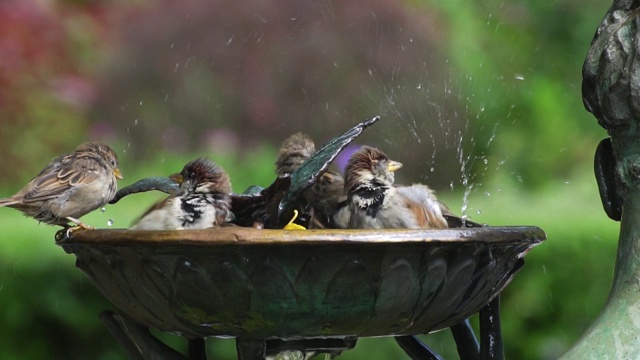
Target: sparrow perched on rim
x,y
375,203
323,197
203,200
70,186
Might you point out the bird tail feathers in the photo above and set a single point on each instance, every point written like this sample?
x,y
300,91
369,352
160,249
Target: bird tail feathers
x,y
7,202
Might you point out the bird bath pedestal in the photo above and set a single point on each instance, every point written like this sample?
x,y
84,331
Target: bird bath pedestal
x,y
611,90
310,291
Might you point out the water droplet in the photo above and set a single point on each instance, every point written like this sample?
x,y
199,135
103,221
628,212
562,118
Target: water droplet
x,y
102,210
419,86
135,122
485,161
187,263
479,211
519,76
487,193
140,102
432,169
110,222
229,41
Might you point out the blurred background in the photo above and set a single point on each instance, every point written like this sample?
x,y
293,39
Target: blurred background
x,y
481,100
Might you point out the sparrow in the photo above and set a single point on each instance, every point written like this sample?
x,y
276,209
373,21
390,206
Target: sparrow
x,y
70,186
203,200
322,198
374,202
293,152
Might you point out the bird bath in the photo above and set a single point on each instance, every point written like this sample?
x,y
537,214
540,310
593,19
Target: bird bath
x,y
311,291
291,285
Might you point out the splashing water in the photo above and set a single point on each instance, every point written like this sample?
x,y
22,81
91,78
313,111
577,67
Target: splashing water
x,y
110,222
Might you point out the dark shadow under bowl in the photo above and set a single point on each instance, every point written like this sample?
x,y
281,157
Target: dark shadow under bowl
x,y
290,284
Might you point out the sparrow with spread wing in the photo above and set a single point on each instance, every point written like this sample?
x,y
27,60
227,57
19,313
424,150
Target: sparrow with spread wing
x,y
322,198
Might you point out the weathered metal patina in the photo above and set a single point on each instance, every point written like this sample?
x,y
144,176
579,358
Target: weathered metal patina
x,y
262,284
611,91
295,284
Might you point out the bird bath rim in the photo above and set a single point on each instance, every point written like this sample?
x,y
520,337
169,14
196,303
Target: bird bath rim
x,y
250,236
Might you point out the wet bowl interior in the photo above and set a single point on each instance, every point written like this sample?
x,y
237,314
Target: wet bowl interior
x,y
291,284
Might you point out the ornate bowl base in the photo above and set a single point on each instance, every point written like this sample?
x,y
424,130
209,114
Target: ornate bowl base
x,y
297,285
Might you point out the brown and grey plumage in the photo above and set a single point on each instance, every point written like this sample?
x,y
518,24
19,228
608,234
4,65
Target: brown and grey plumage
x,y
70,186
374,202
293,152
321,199
203,200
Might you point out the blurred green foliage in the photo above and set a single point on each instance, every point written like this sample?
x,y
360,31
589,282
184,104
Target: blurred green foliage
x,y
480,99
520,62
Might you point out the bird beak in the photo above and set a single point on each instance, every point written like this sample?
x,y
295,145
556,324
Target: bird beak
x,y
393,166
177,178
118,173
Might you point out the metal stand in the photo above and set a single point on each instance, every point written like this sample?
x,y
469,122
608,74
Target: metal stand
x,y
491,346
139,344
136,341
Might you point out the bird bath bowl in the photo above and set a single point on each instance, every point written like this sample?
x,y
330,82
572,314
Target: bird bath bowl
x,y
296,284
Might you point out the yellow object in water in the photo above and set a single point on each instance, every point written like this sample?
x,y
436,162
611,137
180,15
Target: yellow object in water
x,y
291,225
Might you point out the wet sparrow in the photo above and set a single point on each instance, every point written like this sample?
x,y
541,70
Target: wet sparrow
x,y
321,199
70,186
375,203
293,152
203,200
